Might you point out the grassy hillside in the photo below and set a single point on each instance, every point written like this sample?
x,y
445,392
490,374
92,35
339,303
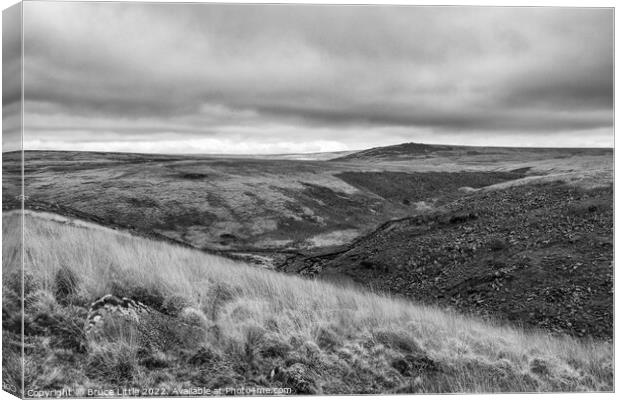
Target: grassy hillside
x,y
259,328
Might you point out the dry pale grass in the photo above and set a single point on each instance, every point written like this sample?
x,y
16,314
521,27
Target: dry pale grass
x,y
338,339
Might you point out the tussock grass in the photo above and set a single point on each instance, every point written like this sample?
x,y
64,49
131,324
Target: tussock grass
x,y
268,329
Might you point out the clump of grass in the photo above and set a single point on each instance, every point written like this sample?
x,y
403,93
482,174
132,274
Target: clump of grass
x,y
12,361
12,302
397,340
327,339
205,354
114,363
174,305
218,296
149,295
66,283
67,329
300,378
251,326
274,347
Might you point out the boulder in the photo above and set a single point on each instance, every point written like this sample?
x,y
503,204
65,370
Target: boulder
x,y
110,307
111,317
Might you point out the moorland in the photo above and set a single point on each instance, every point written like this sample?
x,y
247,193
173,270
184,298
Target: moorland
x,y
278,204
397,269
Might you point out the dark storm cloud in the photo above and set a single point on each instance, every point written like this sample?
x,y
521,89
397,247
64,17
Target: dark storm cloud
x,y
11,84
529,120
592,89
282,73
11,55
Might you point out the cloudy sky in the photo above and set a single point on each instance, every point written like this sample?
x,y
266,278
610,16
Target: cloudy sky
x,y
288,78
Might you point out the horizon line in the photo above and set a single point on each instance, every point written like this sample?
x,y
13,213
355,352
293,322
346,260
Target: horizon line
x,y
319,152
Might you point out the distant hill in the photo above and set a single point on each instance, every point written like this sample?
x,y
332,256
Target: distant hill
x,y
415,150
399,150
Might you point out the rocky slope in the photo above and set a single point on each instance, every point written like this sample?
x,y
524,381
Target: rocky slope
x,y
539,255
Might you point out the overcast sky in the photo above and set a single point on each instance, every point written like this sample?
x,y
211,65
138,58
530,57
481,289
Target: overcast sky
x,y
288,78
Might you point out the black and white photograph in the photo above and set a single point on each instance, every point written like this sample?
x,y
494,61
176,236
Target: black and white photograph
x,y
224,199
